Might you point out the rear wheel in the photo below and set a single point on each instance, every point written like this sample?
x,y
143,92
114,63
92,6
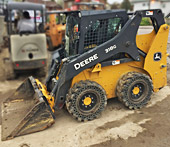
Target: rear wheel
x,y
134,90
86,100
9,71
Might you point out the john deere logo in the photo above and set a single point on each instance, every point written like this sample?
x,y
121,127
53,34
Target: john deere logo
x,y
157,56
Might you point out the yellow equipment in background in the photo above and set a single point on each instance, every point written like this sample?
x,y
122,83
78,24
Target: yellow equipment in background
x,y
55,30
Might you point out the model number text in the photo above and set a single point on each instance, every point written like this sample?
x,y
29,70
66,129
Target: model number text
x,y
110,48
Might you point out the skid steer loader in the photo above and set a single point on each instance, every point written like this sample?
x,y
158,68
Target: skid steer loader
x,y
105,58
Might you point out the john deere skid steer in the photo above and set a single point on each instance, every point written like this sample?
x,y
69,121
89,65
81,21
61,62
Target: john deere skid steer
x,y
104,58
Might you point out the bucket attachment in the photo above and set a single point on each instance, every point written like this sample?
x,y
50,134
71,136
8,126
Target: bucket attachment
x,y
26,111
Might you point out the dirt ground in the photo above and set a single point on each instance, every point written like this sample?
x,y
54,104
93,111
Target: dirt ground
x,y
117,126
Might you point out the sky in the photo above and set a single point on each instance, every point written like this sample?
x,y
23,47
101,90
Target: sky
x,y
112,1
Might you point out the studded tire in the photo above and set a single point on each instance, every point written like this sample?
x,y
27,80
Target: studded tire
x,y
95,98
134,90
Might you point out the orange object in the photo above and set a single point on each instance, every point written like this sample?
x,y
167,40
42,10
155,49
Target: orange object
x,y
55,32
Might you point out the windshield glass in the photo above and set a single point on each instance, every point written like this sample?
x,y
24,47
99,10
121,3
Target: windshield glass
x,y
25,21
72,35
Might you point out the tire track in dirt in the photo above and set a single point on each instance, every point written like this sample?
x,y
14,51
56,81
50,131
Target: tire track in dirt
x,y
156,129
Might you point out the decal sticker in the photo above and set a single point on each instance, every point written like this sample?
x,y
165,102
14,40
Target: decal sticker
x,y
110,48
30,50
86,61
149,12
115,62
157,56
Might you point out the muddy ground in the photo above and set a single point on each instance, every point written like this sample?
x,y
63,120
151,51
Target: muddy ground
x,y
117,126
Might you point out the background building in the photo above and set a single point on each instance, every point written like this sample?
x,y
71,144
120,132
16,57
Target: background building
x,y
50,5
70,4
152,4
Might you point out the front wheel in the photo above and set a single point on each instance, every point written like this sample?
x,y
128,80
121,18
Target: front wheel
x,y
86,100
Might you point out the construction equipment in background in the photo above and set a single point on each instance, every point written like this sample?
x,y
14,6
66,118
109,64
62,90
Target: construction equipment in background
x,y
27,50
55,29
105,58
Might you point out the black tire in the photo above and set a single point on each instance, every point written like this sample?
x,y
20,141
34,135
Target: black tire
x,y
86,100
134,90
50,44
41,72
9,71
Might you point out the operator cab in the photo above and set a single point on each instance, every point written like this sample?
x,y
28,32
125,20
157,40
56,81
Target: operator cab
x,y
14,15
95,29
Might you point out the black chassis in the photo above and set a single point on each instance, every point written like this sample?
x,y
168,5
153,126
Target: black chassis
x,y
123,42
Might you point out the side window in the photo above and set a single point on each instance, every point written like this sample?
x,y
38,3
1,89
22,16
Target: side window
x,y
114,27
91,35
102,31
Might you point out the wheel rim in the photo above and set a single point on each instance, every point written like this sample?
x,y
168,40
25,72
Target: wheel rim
x,y
88,102
138,91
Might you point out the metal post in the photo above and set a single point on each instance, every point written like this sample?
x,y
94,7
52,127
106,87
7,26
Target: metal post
x,y
35,21
149,4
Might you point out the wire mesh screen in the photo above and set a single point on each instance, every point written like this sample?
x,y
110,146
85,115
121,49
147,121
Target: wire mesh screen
x,y
101,31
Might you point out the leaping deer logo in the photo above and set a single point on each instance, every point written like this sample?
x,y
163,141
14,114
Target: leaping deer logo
x,y
157,56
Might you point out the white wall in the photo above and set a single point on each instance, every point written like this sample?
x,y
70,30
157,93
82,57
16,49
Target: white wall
x,y
166,9
1,28
165,6
140,6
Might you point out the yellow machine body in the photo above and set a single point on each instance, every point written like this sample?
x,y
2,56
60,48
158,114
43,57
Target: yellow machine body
x,y
109,76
